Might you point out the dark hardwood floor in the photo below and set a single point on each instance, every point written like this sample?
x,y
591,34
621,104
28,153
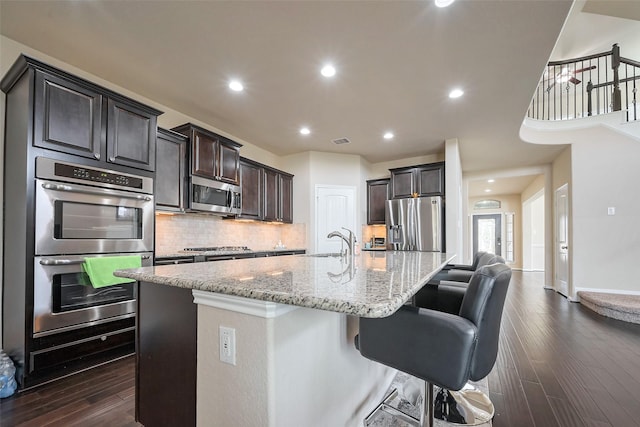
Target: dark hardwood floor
x,y
103,396
559,364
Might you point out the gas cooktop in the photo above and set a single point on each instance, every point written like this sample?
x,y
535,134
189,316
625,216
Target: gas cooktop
x,y
219,249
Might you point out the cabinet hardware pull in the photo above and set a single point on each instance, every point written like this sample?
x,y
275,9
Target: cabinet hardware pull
x,y
61,261
97,156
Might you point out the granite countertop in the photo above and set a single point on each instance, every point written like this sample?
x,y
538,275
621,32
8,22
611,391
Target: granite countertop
x,y
374,284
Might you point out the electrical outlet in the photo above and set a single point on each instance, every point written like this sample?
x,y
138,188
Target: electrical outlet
x,y
611,210
227,345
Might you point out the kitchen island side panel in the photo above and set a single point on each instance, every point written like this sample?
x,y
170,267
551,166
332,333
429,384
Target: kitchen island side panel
x,y
166,356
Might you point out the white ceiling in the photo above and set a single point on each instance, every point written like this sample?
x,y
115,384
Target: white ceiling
x,y
396,61
500,187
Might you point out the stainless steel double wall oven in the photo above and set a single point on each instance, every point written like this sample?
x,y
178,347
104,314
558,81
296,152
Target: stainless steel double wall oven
x,y
79,169
83,212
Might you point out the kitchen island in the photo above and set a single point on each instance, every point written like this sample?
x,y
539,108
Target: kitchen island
x,y
293,319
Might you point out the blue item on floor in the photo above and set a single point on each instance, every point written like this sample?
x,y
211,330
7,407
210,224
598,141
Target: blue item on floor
x,y
7,376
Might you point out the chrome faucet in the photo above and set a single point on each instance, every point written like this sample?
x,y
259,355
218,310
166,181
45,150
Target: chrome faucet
x,y
351,240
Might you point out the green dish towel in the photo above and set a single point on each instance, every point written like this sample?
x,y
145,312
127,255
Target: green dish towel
x,y
100,269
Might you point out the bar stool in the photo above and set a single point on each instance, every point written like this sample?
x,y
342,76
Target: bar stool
x,y
441,348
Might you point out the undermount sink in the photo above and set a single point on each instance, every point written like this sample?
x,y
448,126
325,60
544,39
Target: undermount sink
x,y
325,255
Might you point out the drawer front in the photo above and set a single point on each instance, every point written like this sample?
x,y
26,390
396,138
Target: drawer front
x,y
86,348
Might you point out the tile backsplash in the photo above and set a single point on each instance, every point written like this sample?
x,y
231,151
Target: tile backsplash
x,y
176,232
370,231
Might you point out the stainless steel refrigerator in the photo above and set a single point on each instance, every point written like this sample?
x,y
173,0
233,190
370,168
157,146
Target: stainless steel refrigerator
x,y
415,224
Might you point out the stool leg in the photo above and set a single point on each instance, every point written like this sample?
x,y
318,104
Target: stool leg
x,y
426,417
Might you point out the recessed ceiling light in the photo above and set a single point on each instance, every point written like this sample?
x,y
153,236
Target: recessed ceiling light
x,y
487,191
236,86
491,180
456,93
305,130
443,3
388,135
328,71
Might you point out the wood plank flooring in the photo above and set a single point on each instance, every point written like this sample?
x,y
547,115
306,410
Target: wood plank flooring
x,y
103,396
559,364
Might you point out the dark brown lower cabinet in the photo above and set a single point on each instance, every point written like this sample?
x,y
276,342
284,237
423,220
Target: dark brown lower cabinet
x,y
166,356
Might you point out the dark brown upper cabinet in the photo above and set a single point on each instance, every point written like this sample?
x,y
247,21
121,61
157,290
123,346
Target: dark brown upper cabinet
x,y
377,195
77,117
278,196
212,156
251,181
418,181
171,162
267,193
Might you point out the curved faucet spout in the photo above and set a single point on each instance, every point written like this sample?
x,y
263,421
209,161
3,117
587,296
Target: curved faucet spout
x,y
348,240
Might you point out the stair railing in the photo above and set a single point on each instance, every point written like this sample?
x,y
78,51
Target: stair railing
x,y
586,86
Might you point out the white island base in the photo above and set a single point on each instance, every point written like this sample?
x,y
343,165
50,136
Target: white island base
x,y
294,366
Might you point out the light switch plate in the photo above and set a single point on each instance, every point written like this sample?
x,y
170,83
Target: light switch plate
x,y
611,210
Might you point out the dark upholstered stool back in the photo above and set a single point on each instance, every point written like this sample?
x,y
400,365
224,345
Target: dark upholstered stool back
x,y
482,304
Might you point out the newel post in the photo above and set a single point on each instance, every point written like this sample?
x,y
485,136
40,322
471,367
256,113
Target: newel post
x,y
615,64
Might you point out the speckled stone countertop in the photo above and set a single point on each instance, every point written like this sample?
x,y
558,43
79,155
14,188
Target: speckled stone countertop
x,y
374,284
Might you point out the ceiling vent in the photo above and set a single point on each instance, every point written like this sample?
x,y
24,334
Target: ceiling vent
x,y
341,141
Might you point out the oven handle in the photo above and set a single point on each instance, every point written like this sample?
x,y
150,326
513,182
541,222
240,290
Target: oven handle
x,y
72,189
72,261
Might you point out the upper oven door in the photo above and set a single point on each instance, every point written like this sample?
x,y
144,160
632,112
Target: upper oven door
x,y
80,219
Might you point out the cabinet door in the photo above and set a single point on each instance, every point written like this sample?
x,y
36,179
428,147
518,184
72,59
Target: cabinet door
x,y
271,205
431,180
170,179
131,136
68,117
402,183
228,163
285,197
203,155
377,195
251,181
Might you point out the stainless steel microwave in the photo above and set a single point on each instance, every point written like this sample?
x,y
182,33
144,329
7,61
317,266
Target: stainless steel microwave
x,y
207,195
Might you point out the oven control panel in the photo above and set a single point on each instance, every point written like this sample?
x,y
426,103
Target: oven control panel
x,y
47,168
87,174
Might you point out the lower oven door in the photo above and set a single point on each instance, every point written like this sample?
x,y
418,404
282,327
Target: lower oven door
x,y
63,298
80,219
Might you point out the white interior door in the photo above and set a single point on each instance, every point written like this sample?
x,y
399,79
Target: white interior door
x,y
335,208
561,280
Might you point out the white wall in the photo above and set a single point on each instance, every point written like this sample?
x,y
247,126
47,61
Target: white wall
x,y
318,168
606,248
454,201
298,369
534,226
533,233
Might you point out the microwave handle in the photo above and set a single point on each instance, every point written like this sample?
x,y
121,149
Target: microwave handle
x,y
72,189
71,261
